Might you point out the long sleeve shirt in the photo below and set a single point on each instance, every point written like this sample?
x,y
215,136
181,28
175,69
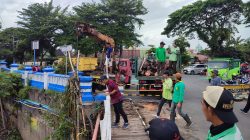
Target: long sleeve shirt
x,y
179,90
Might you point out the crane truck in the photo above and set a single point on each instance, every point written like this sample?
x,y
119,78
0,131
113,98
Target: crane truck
x,y
124,65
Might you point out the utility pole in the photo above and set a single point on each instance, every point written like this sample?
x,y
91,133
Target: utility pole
x,y
14,40
35,46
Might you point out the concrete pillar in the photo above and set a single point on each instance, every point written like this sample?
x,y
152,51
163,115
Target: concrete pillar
x,y
105,124
47,71
14,67
3,64
26,75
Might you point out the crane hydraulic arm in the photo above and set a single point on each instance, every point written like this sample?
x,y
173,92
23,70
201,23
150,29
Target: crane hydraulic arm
x,y
86,29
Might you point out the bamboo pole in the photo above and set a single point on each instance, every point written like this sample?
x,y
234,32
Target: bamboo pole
x,y
94,137
71,64
77,123
77,108
79,94
77,63
1,106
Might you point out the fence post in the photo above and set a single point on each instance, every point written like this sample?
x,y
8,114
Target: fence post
x,y
105,124
26,75
46,76
3,65
13,67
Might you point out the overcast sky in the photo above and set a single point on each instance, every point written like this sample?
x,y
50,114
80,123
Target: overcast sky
x,y
155,20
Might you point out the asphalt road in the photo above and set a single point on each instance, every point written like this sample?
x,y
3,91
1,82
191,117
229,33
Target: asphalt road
x,y
195,84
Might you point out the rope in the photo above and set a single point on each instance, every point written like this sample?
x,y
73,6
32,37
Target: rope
x,y
38,108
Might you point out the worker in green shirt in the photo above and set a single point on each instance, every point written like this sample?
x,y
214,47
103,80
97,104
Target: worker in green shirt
x,y
160,54
177,102
217,107
174,51
166,92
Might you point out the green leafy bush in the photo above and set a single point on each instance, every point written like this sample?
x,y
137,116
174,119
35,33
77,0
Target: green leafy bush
x,y
24,92
10,84
60,66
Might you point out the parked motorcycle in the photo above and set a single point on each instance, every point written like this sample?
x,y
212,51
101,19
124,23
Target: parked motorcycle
x,y
236,80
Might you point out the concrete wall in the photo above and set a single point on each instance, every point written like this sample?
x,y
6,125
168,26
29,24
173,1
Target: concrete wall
x,y
29,121
31,125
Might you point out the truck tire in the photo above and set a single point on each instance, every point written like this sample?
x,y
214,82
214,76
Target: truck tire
x,y
154,93
145,93
128,86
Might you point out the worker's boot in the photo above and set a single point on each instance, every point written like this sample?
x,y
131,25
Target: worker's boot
x,y
172,117
188,121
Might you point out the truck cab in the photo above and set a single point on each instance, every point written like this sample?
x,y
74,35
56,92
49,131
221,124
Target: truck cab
x,y
227,67
124,72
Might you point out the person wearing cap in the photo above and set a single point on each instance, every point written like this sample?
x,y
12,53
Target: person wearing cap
x,y
160,54
217,107
177,102
163,129
166,92
174,51
216,80
116,101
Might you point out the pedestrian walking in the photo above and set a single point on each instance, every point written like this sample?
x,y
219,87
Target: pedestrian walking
x,y
166,92
177,102
247,107
174,51
163,129
216,80
217,107
116,101
161,58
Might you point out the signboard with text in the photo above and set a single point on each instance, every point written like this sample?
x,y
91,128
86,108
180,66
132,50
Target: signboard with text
x,y
66,48
35,45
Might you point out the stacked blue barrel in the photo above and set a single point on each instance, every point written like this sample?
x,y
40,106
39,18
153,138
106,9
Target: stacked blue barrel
x,y
86,90
72,73
14,67
3,64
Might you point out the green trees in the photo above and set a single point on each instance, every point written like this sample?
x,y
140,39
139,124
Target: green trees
x,y
117,19
54,26
244,50
213,21
247,12
42,22
182,43
9,87
9,42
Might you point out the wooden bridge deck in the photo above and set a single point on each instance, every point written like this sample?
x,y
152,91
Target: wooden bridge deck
x,y
134,132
